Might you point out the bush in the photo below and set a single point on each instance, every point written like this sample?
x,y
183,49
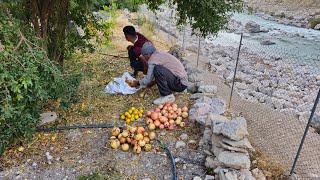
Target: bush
x,y
131,5
27,80
313,22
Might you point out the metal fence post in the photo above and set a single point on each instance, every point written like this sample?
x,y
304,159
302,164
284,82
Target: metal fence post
x,y
198,51
305,133
235,71
183,38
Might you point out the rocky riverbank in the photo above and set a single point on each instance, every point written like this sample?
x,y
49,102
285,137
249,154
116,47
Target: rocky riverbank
x,y
300,13
283,84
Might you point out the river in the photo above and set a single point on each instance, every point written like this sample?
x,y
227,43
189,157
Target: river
x,y
291,43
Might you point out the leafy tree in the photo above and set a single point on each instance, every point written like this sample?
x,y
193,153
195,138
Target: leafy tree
x,y
54,23
205,16
27,78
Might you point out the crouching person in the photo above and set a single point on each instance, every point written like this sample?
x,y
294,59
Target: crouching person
x,y
166,71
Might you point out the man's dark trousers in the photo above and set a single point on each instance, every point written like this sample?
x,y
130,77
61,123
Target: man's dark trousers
x,y
166,81
135,63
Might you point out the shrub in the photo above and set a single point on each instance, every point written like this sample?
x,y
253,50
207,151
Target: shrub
x,y
250,10
131,5
27,80
313,22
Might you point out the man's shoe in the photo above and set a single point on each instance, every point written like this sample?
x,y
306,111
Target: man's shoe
x,y
164,99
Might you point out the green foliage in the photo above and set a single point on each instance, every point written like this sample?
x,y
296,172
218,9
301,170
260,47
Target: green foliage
x,y
250,10
107,25
313,22
131,5
93,176
98,176
27,80
205,17
57,23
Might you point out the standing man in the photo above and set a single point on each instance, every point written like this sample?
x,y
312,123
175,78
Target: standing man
x,y
167,71
137,62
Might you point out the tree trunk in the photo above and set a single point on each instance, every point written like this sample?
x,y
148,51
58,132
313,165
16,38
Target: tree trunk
x,y
57,35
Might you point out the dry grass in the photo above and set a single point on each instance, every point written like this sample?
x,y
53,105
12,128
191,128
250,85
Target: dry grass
x,y
271,169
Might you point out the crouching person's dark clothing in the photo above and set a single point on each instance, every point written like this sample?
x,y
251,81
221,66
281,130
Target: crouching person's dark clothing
x,y
168,72
166,81
135,63
135,51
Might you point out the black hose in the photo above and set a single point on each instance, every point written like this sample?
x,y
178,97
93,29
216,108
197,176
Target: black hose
x,y
89,126
173,163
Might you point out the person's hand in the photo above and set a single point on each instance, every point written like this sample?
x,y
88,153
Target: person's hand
x,y
129,47
133,83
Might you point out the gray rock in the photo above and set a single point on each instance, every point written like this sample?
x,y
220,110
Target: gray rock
x,y
218,106
258,174
212,163
208,89
184,136
234,160
204,99
180,144
246,175
244,143
207,133
196,77
34,165
49,157
209,177
315,123
217,118
317,27
48,117
225,174
216,150
235,129
252,27
267,42
197,178
233,149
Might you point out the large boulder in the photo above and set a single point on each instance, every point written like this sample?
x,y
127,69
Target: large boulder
x,y
252,27
235,129
234,160
317,27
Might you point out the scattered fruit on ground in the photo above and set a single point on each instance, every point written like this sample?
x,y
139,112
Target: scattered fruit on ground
x,y
167,116
135,136
132,114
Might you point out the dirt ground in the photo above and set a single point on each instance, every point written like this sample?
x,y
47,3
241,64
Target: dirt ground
x,y
78,153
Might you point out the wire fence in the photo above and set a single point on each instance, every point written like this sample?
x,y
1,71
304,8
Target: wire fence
x,y
277,88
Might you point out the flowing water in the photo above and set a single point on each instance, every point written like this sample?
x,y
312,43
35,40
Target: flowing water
x,y
291,43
